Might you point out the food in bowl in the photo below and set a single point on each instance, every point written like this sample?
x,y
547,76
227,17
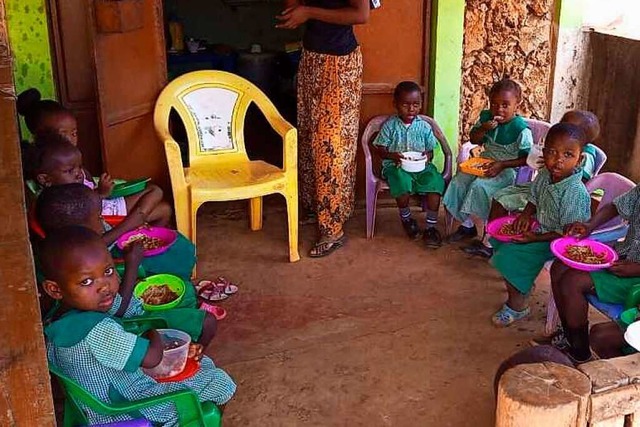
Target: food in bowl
x,y
585,255
148,242
158,295
509,229
174,355
172,343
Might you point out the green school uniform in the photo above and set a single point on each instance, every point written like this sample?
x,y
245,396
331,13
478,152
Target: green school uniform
x,y
557,205
397,137
470,195
609,287
94,350
514,198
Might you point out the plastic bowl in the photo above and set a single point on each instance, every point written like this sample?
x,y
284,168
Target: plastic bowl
x,y
173,360
127,188
167,235
558,247
175,283
632,335
414,161
473,166
493,228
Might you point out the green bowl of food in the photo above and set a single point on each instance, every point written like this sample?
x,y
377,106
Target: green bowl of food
x,y
127,188
160,292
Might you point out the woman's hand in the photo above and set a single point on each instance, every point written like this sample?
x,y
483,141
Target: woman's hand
x,y
494,169
105,185
293,17
625,268
522,224
578,229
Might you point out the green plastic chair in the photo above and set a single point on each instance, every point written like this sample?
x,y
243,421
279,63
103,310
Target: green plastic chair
x,y
191,413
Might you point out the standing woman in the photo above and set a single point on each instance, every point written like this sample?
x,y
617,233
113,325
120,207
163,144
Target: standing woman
x,y
329,91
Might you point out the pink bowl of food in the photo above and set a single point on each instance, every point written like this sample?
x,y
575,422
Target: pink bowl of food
x,y
501,229
584,254
156,240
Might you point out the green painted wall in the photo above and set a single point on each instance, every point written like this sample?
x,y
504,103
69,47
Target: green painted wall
x,y
447,32
29,38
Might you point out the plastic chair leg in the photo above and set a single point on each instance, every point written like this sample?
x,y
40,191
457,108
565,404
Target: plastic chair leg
x,y
448,222
552,316
292,220
183,221
255,213
372,201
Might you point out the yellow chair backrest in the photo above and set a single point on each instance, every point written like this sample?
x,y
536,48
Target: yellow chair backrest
x,y
212,106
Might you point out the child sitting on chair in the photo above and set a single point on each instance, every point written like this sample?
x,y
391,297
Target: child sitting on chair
x,y
514,198
571,287
55,161
404,132
558,198
89,344
75,204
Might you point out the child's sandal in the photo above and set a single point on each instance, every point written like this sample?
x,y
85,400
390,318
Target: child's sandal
x,y
210,291
507,316
226,286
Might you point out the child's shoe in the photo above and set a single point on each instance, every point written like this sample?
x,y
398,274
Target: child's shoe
x,y
507,316
411,228
432,238
479,249
463,233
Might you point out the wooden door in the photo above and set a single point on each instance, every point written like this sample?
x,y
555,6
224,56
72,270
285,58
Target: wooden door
x,y
75,80
130,68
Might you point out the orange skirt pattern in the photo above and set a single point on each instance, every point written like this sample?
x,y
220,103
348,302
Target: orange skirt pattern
x,y
329,92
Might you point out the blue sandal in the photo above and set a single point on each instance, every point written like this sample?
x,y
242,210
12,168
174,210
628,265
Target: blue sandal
x,y
507,316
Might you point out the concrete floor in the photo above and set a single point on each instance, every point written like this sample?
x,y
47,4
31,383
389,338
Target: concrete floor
x,y
382,333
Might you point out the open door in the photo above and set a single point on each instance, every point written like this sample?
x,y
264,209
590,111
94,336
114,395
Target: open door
x,y
130,64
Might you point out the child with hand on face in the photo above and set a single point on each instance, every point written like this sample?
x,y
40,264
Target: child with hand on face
x,y
506,140
557,198
407,131
88,343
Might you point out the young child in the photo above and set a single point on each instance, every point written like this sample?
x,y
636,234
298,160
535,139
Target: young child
x,y
558,198
75,204
90,345
403,132
506,140
571,287
46,117
514,197
56,161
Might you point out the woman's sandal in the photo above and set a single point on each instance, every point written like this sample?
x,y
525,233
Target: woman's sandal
x,y
507,316
324,248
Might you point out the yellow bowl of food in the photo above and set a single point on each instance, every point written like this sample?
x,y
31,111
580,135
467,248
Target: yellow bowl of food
x,y
160,292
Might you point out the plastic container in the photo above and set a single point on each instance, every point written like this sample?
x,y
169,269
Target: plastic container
x,y
167,235
534,159
413,161
173,360
474,166
175,283
128,188
493,228
558,247
632,335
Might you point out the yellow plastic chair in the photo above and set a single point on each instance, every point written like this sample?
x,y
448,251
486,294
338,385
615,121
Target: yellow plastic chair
x,y
213,106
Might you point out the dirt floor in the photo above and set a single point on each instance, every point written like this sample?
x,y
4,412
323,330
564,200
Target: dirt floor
x,y
381,333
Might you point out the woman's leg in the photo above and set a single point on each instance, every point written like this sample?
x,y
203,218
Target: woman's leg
x,y
570,293
308,91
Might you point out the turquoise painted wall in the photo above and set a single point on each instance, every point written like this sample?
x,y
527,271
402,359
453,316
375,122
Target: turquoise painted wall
x,y
29,38
447,32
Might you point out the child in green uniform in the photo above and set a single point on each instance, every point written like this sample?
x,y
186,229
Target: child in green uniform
x,y
558,198
506,140
89,344
571,287
75,204
514,197
403,132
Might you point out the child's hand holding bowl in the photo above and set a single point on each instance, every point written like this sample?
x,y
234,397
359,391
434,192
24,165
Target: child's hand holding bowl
x,y
494,169
578,229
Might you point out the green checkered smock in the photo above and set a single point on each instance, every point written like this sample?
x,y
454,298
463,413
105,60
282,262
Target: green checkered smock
x,y
94,350
628,206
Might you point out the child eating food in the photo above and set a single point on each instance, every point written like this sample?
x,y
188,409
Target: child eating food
x,y
404,132
558,198
506,140
90,345
75,204
571,287
56,161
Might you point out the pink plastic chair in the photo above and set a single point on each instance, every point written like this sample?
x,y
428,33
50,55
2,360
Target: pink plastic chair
x,y
613,186
374,183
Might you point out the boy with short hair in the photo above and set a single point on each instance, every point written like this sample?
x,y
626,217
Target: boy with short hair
x,y
404,132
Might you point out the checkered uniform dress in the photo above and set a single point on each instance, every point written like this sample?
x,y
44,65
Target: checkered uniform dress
x,y
628,206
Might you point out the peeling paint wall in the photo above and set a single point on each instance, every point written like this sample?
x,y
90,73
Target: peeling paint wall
x,y
29,38
506,37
